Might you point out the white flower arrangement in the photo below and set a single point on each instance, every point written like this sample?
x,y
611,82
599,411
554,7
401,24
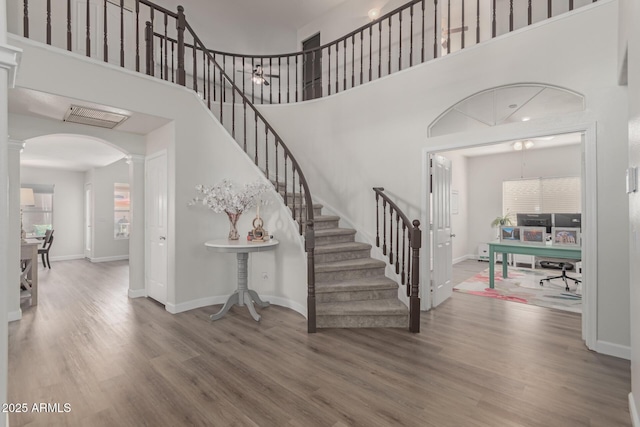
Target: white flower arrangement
x,y
223,198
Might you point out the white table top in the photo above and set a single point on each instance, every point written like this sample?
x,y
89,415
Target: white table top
x,y
226,245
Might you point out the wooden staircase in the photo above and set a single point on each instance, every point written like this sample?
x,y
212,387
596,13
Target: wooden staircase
x,y
352,290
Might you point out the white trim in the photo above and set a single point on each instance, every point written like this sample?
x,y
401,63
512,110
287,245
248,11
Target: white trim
x,y
219,300
582,122
137,293
464,258
110,258
66,258
633,411
10,57
611,349
14,144
12,316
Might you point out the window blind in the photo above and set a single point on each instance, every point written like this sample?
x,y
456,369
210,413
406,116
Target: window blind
x,y
544,195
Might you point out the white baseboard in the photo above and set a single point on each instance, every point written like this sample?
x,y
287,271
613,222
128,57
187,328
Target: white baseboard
x,y
464,258
217,300
66,258
611,349
137,293
633,411
14,315
109,258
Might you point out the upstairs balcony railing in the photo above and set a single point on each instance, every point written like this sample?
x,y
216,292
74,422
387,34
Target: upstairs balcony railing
x,y
125,38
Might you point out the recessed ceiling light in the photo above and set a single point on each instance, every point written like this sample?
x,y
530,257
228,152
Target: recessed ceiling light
x,y
513,105
517,145
373,14
528,144
526,119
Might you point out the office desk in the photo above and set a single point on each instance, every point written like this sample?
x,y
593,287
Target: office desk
x,y
553,251
29,277
243,295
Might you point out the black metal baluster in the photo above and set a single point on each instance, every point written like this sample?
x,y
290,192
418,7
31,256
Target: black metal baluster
x,y
384,227
411,37
478,22
409,266
222,90
122,33
379,49
276,154
270,82
397,243
297,84
293,192
549,8
529,14
208,77
423,41
214,80
173,64
48,21
253,83
353,60
105,46
337,67
138,40
279,81
288,74
370,52
493,22
510,15
329,77
244,108
233,102
570,4
389,61
286,184
344,65
223,87
400,41
377,220
25,19
361,55
390,234
166,49
195,69
266,150
462,31
88,35
262,85
448,26
255,115
301,210
162,59
313,75
68,25
435,26
404,236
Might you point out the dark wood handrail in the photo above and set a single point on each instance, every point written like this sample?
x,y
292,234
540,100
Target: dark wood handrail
x,y
403,261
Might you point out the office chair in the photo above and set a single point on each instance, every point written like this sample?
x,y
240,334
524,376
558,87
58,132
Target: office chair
x,y
46,246
563,276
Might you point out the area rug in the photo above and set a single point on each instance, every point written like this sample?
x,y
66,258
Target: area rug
x,y
523,286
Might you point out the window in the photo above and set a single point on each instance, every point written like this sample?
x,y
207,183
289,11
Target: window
x,y
543,195
37,212
121,208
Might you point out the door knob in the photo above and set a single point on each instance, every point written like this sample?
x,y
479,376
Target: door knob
x,y
452,235
163,238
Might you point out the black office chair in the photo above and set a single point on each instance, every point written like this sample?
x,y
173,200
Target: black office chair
x,y
46,246
563,276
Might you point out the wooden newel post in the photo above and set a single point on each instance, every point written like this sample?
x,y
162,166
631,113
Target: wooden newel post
x,y
148,38
414,299
180,26
309,245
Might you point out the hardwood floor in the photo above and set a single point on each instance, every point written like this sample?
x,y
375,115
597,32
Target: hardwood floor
x,y
124,362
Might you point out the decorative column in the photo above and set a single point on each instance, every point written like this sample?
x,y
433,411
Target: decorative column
x,y
136,237
9,59
13,235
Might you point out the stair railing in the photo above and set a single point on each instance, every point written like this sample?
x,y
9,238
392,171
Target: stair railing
x,y
406,258
192,65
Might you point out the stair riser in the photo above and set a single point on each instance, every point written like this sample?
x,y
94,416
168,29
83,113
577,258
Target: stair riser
x,y
341,256
316,211
325,225
340,238
298,197
364,295
331,276
360,321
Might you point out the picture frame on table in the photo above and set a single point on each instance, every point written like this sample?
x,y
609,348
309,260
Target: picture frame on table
x,y
533,235
565,236
509,233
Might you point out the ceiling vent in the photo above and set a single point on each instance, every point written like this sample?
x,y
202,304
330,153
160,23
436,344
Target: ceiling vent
x,y
93,117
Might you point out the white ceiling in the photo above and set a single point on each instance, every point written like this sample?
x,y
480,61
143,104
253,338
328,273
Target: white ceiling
x,y
72,152
68,152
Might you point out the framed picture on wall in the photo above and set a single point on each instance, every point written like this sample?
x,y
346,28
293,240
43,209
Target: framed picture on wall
x,y
567,236
509,234
533,235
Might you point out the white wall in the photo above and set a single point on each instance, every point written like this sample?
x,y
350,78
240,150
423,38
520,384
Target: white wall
x,y
68,218
460,221
380,130
204,153
105,246
631,13
486,174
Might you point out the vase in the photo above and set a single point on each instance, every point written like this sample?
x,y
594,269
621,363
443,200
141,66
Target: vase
x,y
233,222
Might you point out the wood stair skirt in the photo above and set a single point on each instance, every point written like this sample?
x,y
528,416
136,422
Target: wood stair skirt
x,y
352,290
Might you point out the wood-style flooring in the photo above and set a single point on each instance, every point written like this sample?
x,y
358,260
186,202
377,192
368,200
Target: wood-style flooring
x,y
127,362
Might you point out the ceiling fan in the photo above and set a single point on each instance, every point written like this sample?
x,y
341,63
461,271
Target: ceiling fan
x,y
259,77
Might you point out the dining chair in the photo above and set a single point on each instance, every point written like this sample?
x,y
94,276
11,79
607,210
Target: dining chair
x,y
46,246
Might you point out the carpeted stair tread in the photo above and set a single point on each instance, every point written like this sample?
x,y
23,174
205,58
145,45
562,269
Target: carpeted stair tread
x,y
385,307
359,284
341,247
350,264
334,232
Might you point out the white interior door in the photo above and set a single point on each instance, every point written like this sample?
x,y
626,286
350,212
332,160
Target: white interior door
x,y
156,227
88,221
442,233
